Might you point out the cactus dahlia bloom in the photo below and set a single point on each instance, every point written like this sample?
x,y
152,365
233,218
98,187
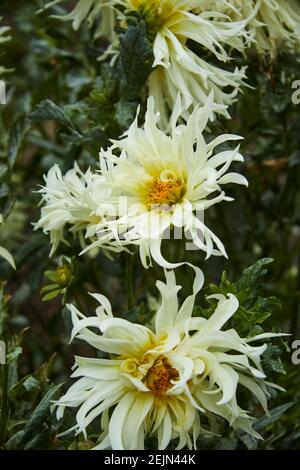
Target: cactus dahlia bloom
x,y
171,25
71,201
162,382
161,181
271,23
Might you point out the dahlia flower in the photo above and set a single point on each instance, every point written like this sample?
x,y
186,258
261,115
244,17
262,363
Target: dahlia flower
x,y
71,201
163,181
271,23
162,382
171,24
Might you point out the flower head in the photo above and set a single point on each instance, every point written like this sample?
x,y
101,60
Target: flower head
x,y
171,25
163,381
271,23
166,181
71,201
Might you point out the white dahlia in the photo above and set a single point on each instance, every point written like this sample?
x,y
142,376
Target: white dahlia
x,y
164,181
172,25
162,382
74,202
271,23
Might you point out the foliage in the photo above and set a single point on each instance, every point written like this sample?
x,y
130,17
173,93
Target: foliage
x,y
63,105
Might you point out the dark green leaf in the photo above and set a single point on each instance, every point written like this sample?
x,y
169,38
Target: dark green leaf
x,y
136,59
40,414
275,414
27,384
251,276
16,137
49,111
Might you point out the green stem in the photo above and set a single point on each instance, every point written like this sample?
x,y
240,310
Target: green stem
x,y
129,278
4,402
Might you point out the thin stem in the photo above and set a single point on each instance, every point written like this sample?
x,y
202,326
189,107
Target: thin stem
x,y
190,275
4,402
129,278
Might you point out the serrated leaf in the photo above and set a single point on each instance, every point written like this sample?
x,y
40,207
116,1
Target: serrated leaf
x,y
136,59
271,360
251,276
49,111
39,415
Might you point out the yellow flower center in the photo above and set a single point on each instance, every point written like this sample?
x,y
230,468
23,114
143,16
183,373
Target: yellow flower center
x,y
153,370
159,376
166,189
155,13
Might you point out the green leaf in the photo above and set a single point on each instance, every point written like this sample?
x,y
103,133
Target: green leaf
x,y
136,59
52,294
27,384
271,360
249,442
51,275
252,276
15,140
49,111
14,442
125,113
39,415
253,310
275,414
50,287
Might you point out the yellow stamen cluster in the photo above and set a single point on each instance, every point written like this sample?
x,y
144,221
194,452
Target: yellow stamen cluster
x,y
160,376
153,370
155,13
165,191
